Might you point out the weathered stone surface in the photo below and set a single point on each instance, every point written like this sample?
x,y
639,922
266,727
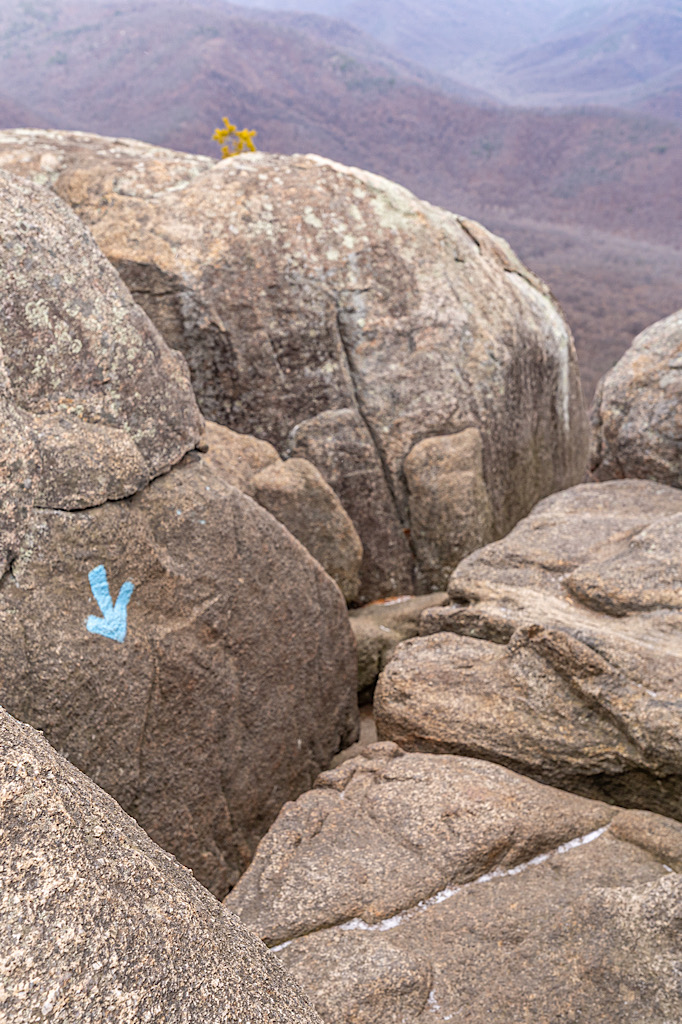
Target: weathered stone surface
x,y
299,288
568,661
87,170
368,879
360,978
236,457
637,412
296,494
379,628
339,443
97,924
194,722
382,832
450,513
236,682
93,402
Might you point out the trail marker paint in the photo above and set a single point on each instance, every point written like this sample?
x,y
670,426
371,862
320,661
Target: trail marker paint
x,y
114,621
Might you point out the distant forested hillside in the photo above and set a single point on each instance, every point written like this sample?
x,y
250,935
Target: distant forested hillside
x,y
624,53
590,198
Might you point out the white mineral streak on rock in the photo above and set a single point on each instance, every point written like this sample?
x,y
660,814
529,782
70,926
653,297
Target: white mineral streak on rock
x,y
282,945
357,924
435,1006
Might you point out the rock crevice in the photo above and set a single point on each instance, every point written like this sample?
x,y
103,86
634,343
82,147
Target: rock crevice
x,y
471,873
449,330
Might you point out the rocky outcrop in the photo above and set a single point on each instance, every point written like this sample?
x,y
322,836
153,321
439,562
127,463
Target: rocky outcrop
x,y
88,170
99,924
637,412
450,513
340,444
296,494
94,404
379,627
167,634
236,680
237,458
330,312
561,656
445,877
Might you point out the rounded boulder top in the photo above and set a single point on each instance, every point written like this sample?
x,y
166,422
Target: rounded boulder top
x,y
637,413
95,403
329,311
86,168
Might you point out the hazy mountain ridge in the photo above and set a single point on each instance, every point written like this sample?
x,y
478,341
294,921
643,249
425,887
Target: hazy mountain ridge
x,y
166,73
624,55
563,53
440,33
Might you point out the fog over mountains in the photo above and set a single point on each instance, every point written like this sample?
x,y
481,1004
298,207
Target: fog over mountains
x,y
625,54
539,52
441,34
589,195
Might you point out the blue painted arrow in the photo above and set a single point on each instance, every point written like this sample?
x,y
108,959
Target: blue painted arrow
x,y
114,622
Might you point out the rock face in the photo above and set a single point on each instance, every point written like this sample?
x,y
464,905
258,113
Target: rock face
x,y
94,404
379,627
584,892
236,458
236,681
176,643
328,311
296,494
449,508
561,656
86,169
339,443
99,924
637,413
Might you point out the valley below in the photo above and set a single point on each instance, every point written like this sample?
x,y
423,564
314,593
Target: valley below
x,y
589,197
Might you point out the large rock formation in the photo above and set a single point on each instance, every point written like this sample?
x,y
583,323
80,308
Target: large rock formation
x,y
176,643
94,404
637,412
330,312
86,169
97,924
296,494
561,656
413,888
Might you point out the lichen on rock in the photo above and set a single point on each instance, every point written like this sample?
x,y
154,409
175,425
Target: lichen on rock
x,y
329,311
